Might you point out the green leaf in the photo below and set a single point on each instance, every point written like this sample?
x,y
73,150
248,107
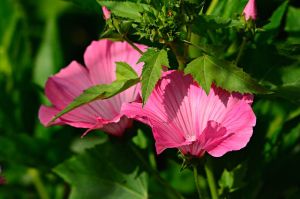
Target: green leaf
x,y
292,24
207,69
232,180
211,22
125,71
154,60
293,20
291,139
140,139
129,10
290,87
98,92
109,171
277,16
272,29
227,8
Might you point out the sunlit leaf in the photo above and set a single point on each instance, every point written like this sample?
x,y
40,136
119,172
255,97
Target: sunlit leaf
x,y
126,9
125,71
207,69
293,21
154,61
232,180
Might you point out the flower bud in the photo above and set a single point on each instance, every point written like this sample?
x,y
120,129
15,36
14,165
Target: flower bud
x,y
106,13
250,11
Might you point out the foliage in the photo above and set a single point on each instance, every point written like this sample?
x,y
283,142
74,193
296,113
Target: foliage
x,y
208,39
154,61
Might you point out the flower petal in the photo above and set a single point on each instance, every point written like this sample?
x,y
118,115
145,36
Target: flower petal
x,y
182,115
100,58
169,111
64,87
164,133
69,83
46,114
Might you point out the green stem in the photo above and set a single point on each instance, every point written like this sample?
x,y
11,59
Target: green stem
x,y
133,45
188,38
212,6
202,49
37,182
240,53
211,181
197,180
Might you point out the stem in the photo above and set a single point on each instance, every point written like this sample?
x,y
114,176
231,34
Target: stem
x,y
37,182
186,46
196,46
212,6
211,181
240,53
133,45
179,57
197,180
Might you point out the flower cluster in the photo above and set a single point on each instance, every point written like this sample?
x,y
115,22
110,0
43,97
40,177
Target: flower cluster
x,y
179,111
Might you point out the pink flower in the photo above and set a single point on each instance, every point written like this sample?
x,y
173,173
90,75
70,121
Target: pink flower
x,y
62,88
182,116
250,10
106,13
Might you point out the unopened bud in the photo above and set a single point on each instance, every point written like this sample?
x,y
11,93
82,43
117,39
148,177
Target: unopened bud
x,y
250,11
106,13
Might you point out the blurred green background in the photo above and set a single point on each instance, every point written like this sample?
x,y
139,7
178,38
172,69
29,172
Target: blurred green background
x,y
37,38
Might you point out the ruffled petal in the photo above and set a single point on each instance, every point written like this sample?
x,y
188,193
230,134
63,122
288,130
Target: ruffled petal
x,y
239,122
217,104
210,138
69,83
46,114
118,128
62,88
165,134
